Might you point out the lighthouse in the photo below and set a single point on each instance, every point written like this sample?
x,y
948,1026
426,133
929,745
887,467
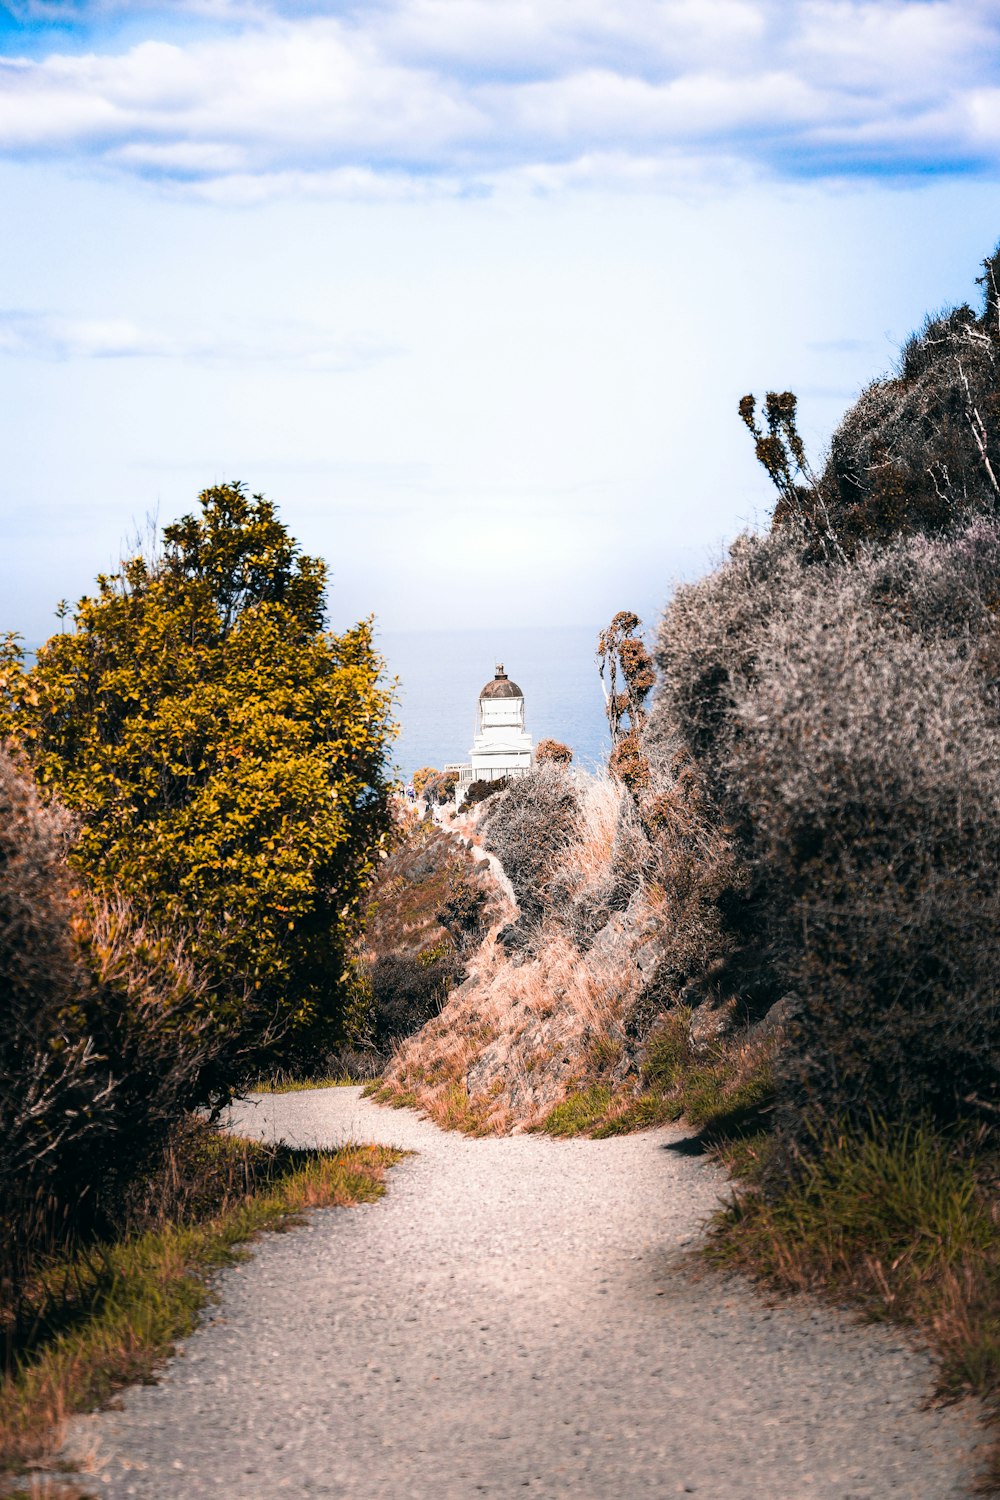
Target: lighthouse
x,y
502,746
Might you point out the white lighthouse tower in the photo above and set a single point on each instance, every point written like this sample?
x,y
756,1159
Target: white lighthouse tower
x,y
502,746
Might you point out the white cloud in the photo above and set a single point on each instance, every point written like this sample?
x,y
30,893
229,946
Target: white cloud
x,y
51,337
449,95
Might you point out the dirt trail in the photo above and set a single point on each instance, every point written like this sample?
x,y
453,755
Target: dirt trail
x,y
513,1319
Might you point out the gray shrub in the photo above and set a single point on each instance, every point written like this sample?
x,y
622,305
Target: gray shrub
x,y
845,720
527,827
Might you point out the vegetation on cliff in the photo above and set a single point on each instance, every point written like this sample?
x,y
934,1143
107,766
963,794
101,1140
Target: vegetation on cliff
x,y
789,926
775,917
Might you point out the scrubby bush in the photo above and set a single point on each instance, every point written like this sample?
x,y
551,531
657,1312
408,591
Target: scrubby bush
x,y
104,1046
849,722
835,711
526,828
225,758
918,452
553,751
479,791
407,991
870,763
574,849
440,788
56,1093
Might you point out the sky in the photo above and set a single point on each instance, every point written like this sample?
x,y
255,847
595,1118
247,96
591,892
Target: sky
x,y
470,288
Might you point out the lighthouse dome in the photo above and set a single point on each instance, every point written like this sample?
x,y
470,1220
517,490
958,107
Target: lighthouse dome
x,y
501,687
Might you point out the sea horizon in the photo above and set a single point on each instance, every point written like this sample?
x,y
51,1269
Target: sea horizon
x,y
440,674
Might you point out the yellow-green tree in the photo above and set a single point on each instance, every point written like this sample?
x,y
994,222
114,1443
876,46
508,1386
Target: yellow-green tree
x,y
225,757
422,777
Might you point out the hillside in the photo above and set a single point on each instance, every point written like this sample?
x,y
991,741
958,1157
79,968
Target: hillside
x,y
779,915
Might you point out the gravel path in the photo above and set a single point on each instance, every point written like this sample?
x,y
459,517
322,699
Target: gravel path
x,y
512,1319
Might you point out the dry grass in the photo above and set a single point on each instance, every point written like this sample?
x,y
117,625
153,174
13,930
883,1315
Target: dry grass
x,y
131,1301
596,824
514,1037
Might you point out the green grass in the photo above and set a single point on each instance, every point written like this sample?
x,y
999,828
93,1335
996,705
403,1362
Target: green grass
x,y
668,1051
717,1102
297,1085
579,1112
133,1300
723,1091
639,1114
896,1221
745,1156
388,1093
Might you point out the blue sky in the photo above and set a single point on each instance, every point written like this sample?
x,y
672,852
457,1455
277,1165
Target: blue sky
x,y
470,287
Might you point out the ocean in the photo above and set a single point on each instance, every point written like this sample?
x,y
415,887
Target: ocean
x,y
442,672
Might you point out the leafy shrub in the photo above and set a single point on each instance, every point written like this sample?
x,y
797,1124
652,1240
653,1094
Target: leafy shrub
x,y
422,777
554,751
225,757
480,790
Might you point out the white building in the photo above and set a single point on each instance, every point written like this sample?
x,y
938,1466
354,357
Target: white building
x,y
502,746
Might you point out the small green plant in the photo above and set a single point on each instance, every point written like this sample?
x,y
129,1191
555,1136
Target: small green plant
x,y
668,1049
580,1112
